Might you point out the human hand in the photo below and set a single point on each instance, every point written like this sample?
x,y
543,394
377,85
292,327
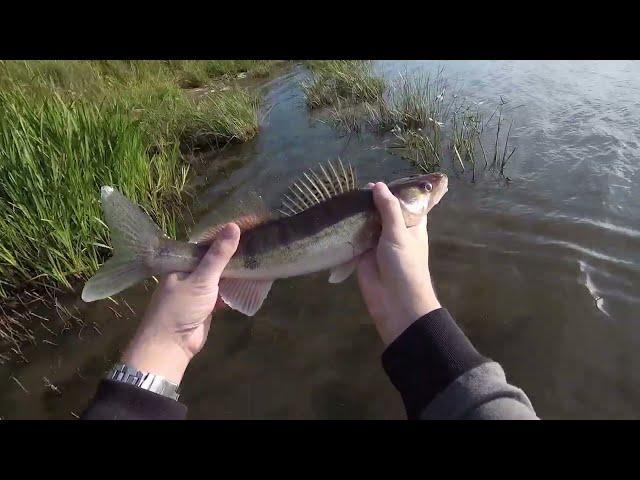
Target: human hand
x,y
394,278
177,321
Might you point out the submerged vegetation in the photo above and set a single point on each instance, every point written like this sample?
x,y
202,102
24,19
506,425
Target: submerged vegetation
x,y
425,120
69,127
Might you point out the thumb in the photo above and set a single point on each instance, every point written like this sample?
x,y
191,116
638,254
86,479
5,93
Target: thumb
x,y
215,260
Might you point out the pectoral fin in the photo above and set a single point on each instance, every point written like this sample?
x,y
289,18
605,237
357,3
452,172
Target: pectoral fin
x,y
342,272
245,296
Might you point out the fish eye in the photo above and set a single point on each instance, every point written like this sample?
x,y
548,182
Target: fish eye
x,y
426,186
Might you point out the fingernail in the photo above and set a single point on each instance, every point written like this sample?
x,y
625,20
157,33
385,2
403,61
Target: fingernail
x,y
226,232
382,188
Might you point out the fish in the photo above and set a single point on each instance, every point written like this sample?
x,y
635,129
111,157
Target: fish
x,y
326,222
585,279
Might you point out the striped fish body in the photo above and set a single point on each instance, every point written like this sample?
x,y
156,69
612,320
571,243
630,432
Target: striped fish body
x,y
322,237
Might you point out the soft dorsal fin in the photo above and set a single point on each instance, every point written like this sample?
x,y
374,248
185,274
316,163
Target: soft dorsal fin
x,y
246,212
245,223
313,188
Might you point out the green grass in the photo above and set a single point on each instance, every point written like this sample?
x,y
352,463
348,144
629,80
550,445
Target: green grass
x,y
153,93
346,81
54,156
168,116
94,76
69,127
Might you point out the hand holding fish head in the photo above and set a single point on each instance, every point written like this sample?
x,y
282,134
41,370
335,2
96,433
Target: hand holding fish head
x,y
418,195
394,277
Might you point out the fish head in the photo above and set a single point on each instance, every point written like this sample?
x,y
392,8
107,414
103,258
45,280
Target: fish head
x,y
418,194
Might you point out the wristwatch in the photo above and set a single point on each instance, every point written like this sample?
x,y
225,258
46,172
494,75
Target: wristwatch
x,y
145,380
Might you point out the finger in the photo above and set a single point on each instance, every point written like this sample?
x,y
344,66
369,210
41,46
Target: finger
x,y
370,185
215,260
388,205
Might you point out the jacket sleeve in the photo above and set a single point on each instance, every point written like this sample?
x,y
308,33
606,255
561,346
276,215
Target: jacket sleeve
x,y
440,375
120,401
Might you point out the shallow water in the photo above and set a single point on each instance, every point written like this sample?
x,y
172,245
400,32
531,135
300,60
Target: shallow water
x,y
519,264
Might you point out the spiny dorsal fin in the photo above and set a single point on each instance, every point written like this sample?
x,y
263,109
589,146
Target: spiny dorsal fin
x,y
313,187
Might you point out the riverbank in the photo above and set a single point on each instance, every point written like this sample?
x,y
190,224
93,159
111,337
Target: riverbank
x,y
71,126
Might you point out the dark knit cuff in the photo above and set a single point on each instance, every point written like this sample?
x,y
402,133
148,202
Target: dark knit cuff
x,y
427,357
121,401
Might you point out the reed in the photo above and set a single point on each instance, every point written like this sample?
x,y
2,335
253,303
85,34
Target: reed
x,y
345,81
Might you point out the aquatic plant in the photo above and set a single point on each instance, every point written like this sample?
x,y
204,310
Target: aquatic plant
x,y
502,160
423,149
345,118
424,114
347,81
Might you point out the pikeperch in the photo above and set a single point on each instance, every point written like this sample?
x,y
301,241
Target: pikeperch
x,y
326,223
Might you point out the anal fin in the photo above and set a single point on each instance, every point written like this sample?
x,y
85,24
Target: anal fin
x,y
342,272
245,296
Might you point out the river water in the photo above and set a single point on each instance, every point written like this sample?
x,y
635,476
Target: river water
x,y
541,272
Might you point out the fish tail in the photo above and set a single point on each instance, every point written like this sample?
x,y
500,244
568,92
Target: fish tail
x,y
135,238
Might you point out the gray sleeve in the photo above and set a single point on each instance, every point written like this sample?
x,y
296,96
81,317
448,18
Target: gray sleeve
x,y
482,393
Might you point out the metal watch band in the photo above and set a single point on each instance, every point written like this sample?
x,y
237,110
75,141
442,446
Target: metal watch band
x,y
145,380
